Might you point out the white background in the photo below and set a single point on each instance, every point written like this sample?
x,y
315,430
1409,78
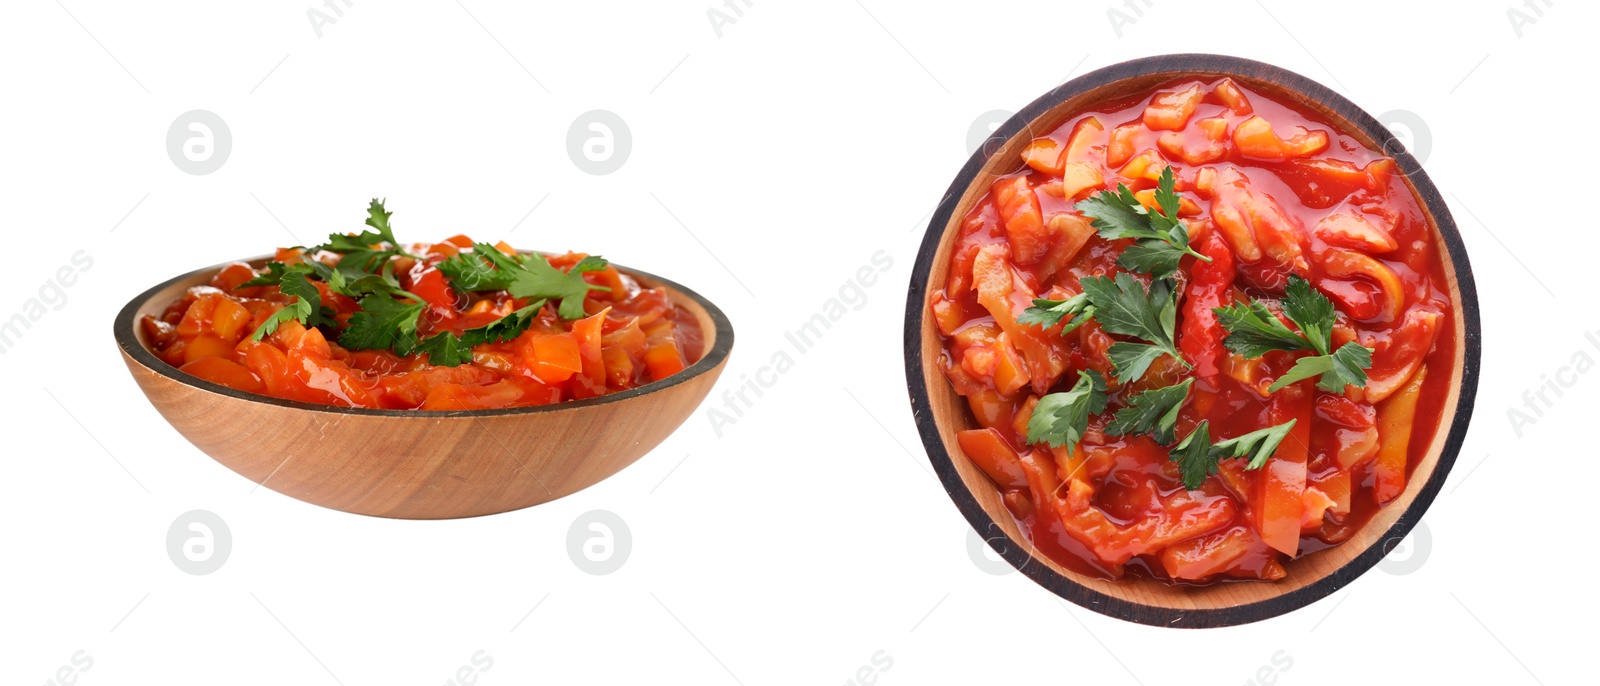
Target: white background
x,y
768,164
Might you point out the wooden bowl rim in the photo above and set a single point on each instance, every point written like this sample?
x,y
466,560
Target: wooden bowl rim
x,y
1015,552
127,339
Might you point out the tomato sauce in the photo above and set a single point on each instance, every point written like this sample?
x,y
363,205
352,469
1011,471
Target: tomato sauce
x,y
630,336
1267,190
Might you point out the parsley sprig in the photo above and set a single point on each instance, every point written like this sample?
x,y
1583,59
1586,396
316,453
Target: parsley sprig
x,y
1198,457
357,253
384,323
1047,313
1194,457
1253,330
1124,307
446,349
307,306
1153,412
524,276
390,315
1061,419
1161,240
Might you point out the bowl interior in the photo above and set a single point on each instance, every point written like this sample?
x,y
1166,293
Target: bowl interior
x,y
1144,600
714,325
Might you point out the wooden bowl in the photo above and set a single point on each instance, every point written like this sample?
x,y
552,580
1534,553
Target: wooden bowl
x,y
414,464
940,412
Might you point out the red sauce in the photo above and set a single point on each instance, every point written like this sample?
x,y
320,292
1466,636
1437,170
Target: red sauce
x,y
1268,190
629,336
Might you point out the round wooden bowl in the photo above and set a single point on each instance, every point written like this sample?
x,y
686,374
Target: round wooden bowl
x,y
412,464
940,412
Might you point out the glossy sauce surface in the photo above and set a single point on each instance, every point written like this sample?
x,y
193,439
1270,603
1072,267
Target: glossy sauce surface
x,y
1267,190
631,336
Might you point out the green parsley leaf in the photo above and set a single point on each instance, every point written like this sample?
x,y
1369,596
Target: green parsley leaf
x,y
1256,445
1129,361
1346,366
1304,368
361,261
504,328
1193,454
1350,364
299,309
1162,240
306,308
1125,308
274,275
528,276
378,218
537,279
445,349
1157,258
1253,330
1167,195
591,263
1311,311
1047,313
1060,419
483,269
1198,458
383,324
1117,215
357,256
1153,412
358,286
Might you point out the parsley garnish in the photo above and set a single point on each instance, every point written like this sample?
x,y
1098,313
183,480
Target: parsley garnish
x,y
390,315
540,280
1311,311
504,328
1153,412
446,349
357,256
1194,457
1256,445
483,269
1061,419
1197,456
1253,331
383,323
1346,366
530,276
1125,308
307,306
1161,239
1047,313
273,277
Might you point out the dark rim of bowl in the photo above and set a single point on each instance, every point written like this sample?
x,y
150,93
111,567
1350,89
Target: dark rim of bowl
x,y
128,340
1014,552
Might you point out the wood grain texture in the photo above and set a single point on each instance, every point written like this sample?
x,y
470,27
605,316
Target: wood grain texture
x,y
940,413
422,465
